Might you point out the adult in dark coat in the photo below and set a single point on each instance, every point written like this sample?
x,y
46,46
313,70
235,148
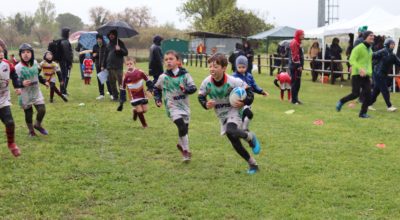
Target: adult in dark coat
x,y
248,51
336,54
156,59
114,62
232,58
79,48
296,63
99,53
384,59
66,59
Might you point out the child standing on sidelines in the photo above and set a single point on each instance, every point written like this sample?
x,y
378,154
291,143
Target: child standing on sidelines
x,y
50,69
133,81
247,77
30,95
87,67
217,87
7,72
175,85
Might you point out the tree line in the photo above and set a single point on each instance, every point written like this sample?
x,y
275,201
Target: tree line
x,y
42,26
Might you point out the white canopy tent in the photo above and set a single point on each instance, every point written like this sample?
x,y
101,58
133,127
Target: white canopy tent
x,y
390,27
375,17
377,20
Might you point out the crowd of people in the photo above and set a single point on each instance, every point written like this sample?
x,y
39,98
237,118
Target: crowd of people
x,y
173,86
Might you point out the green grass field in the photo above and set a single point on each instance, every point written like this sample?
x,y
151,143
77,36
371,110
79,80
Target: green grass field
x,y
99,164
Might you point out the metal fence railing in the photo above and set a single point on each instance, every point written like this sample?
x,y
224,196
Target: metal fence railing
x,y
316,66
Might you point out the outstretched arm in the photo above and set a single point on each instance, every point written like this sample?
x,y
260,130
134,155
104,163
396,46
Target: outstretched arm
x,y
276,83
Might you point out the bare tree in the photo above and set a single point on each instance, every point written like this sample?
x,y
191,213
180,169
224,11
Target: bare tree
x,y
136,17
42,34
46,13
99,16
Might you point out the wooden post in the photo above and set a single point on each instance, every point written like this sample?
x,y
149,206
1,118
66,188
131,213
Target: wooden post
x,y
206,60
259,63
312,62
271,63
191,59
332,74
197,57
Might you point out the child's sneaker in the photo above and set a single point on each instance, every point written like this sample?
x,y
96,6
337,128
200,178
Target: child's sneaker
x,y
252,169
100,97
187,156
32,133
339,105
14,149
254,144
41,129
364,116
64,98
371,108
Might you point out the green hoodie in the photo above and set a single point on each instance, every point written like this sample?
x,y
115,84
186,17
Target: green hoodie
x,y
361,58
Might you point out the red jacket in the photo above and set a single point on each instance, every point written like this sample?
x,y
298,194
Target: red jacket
x,y
295,47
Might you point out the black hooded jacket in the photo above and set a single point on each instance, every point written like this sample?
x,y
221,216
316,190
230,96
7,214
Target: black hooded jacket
x,y
100,54
115,59
384,60
156,57
67,55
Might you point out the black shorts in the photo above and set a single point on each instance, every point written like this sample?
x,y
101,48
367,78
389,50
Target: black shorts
x,y
140,102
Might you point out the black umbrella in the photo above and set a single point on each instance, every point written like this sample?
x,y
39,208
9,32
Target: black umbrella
x,y
123,29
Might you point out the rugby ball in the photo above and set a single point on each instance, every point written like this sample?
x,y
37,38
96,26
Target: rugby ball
x,y
237,94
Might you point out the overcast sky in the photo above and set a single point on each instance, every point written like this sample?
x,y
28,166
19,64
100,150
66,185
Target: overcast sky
x,y
295,13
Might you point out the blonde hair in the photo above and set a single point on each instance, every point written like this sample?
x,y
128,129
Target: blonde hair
x,y
133,59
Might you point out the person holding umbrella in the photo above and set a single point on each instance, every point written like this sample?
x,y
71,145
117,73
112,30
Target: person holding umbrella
x,y
114,61
115,51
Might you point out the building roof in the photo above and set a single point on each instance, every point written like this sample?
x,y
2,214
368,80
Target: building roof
x,y
278,32
204,34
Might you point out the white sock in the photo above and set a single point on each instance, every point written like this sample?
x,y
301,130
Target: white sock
x,y
184,141
249,136
180,142
252,161
245,124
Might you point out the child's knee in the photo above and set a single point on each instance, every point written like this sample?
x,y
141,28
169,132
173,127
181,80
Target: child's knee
x,y
9,122
231,130
248,113
41,109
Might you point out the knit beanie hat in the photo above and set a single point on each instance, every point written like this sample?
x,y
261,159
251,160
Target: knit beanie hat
x,y
241,60
362,29
366,34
